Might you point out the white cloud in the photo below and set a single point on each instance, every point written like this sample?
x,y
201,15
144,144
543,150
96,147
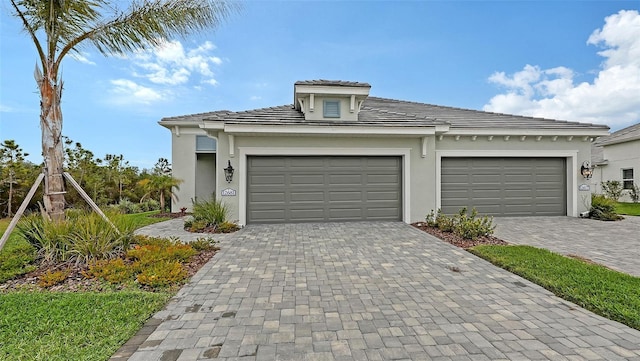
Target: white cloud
x,y
613,96
5,109
129,92
83,58
172,64
255,97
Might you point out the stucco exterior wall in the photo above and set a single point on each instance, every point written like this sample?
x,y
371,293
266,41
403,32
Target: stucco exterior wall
x,y
619,156
420,174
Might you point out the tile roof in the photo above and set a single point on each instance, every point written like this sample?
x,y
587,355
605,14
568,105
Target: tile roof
x,y
390,112
332,83
623,135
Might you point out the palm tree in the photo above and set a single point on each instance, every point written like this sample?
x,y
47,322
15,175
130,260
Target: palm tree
x,y
59,27
162,185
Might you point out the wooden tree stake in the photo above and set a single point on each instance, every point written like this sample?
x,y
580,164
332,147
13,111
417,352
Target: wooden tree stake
x,y
23,207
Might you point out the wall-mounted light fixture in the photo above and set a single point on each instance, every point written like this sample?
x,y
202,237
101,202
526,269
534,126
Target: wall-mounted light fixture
x,y
586,170
228,173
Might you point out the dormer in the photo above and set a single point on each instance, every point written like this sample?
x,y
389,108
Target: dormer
x,y
330,100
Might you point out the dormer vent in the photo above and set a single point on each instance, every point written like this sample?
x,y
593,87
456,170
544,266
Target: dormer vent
x,y
334,97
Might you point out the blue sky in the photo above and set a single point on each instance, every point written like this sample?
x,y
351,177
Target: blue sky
x,y
570,60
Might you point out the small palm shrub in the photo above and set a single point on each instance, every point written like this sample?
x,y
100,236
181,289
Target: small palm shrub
x,y
81,238
212,211
210,215
603,208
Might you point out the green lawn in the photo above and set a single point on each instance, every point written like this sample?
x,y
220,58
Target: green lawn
x,y
630,209
71,326
608,293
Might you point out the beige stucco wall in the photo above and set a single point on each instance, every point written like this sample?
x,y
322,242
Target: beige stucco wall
x,y
421,174
619,156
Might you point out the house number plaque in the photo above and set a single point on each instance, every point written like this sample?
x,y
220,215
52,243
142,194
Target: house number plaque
x,y
228,192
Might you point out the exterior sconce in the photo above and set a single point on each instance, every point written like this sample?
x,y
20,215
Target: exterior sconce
x,y
586,170
228,173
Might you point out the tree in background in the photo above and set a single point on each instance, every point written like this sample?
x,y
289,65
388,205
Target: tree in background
x,y
16,174
59,27
160,183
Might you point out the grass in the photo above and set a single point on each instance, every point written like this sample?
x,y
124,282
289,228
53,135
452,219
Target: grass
x,y
71,326
629,209
609,293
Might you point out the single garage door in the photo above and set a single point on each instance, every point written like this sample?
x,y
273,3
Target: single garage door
x,y
284,189
505,186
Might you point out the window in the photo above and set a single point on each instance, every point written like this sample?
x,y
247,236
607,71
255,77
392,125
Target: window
x,y
331,109
205,144
627,178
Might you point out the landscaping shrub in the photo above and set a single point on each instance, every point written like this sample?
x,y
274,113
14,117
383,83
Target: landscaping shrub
x,y
467,226
162,274
470,227
204,244
113,271
634,193
612,189
212,211
227,227
603,208
444,222
16,259
82,237
52,278
431,219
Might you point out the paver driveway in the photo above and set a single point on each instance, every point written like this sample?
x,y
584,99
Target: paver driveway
x,y
613,244
370,291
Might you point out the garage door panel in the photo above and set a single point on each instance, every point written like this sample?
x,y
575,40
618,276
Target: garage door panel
x,y
267,197
504,186
346,179
345,196
306,196
320,188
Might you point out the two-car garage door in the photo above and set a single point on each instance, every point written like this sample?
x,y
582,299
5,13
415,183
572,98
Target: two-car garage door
x,y
505,186
283,189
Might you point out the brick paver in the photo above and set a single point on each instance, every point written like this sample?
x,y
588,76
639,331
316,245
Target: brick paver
x,y
613,244
370,291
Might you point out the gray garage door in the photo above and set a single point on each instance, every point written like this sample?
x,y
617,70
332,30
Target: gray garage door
x,y
320,189
505,186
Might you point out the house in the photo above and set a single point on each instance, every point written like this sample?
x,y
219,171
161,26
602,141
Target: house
x,y
338,154
617,157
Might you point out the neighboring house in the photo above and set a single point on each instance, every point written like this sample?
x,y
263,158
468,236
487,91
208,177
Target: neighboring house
x,y
338,154
617,157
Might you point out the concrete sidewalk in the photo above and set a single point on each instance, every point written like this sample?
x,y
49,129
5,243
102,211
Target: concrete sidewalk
x,y
368,291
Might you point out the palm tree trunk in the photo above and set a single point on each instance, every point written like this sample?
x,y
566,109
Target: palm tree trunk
x,y
161,201
52,150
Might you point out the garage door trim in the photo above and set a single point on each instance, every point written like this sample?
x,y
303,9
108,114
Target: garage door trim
x,y
245,152
571,162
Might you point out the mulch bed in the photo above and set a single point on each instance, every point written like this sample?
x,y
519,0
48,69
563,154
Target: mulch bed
x,y
169,215
456,240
